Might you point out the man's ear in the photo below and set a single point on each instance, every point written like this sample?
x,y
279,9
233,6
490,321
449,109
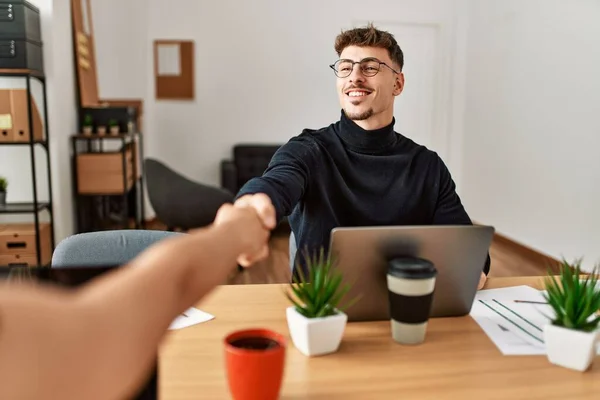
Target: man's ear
x,y
399,84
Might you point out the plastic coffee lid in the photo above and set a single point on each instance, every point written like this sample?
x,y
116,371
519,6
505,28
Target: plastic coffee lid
x,y
411,268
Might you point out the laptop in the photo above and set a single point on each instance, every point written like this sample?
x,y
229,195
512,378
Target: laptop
x,y
72,277
459,254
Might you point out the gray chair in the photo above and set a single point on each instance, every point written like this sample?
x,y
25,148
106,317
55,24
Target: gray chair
x,y
104,248
180,202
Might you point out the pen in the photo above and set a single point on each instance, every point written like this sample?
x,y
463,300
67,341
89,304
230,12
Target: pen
x,y
530,302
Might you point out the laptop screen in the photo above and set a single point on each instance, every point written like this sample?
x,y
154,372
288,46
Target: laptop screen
x,y
71,277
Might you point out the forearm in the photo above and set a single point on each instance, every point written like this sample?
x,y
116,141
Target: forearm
x,y
282,199
286,177
164,281
134,306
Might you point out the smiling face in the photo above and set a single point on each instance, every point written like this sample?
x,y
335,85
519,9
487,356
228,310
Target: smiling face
x,y
369,100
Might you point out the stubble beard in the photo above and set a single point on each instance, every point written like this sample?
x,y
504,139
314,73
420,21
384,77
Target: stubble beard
x,y
359,116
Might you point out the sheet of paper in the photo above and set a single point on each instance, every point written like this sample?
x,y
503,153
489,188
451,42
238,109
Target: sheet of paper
x,y
169,60
515,328
191,316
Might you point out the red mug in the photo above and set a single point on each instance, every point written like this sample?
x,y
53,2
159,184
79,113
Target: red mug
x,y
255,360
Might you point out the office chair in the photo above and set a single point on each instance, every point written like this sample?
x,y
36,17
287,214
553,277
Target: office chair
x,y
103,248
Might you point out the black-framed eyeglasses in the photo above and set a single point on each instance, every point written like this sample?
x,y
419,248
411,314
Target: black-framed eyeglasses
x,y
368,66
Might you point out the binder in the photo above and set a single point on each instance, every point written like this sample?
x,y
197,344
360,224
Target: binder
x,y
14,121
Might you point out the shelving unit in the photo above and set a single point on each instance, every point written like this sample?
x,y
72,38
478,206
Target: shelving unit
x,y
101,177
36,206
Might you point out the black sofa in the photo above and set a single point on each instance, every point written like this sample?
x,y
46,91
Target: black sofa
x,y
249,161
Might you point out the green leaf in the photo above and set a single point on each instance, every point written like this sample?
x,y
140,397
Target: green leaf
x,y
574,298
321,294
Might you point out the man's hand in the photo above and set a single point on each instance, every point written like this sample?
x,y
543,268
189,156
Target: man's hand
x,y
263,206
244,221
482,280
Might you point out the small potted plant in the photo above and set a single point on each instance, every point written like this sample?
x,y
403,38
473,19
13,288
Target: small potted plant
x,y
572,335
113,125
101,130
88,124
316,319
3,187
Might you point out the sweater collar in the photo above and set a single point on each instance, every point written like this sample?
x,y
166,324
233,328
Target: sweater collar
x,y
359,139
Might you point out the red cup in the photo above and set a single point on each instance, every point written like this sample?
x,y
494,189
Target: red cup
x,y
255,360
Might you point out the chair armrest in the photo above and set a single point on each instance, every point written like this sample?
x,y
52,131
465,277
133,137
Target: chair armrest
x,y
229,176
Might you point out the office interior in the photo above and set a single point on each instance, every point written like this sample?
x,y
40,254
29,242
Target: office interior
x,y
201,94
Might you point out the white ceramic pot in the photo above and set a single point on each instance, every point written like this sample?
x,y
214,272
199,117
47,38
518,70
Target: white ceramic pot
x,y
570,348
114,130
87,130
316,336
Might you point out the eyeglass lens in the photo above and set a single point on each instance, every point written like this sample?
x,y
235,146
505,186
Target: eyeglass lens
x,y
343,68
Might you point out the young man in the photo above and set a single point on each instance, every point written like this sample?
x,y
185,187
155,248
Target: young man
x,y
357,171
100,341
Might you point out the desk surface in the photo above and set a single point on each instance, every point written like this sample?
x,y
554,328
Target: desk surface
x,y
457,360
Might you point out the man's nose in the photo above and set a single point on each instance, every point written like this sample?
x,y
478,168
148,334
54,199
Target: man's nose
x,y
356,75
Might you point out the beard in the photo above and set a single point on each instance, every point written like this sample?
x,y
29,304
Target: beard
x,y
359,116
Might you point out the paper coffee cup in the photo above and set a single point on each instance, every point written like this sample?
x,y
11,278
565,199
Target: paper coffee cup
x,y
411,283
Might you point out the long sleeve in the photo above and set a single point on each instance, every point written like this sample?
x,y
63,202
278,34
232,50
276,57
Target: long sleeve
x,y
449,209
286,178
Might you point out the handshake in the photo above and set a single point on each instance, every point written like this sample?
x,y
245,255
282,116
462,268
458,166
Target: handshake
x,y
250,218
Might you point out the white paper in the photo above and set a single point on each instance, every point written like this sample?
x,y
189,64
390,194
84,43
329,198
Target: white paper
x,y
191,316
169,60
515,328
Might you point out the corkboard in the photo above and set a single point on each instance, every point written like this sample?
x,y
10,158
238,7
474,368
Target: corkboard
x,y
174,69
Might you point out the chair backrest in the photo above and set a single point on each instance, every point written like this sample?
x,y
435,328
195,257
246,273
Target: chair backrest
x,y
252,160
101,248
180,202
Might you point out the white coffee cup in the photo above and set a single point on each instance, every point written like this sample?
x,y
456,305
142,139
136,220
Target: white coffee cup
x,y
411,284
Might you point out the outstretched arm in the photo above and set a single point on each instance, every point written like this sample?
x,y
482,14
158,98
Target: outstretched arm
x,y
285,179
100,341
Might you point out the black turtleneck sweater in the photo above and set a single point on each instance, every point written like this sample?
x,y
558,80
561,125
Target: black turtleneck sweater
x,y
343,175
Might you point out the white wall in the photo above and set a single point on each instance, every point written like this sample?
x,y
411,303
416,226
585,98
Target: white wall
x,y
15,161
62,111
120,29
532,127
261,70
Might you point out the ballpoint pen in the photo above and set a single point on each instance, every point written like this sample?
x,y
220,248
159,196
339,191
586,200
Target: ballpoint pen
x,y
530,302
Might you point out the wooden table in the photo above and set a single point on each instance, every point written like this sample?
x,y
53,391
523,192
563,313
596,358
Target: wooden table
x,y
457,360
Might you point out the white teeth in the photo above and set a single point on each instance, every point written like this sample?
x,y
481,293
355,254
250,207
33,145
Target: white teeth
x,y
357,94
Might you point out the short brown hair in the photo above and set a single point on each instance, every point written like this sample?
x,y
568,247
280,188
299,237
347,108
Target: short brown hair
x,y
370,37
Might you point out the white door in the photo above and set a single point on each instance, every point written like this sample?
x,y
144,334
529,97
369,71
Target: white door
x,y
415,108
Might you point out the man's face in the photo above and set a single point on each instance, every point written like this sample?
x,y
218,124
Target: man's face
x,y
364,97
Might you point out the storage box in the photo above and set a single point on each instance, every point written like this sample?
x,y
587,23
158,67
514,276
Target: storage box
x,y
20,20
18,245
14,122
102,173
21,54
